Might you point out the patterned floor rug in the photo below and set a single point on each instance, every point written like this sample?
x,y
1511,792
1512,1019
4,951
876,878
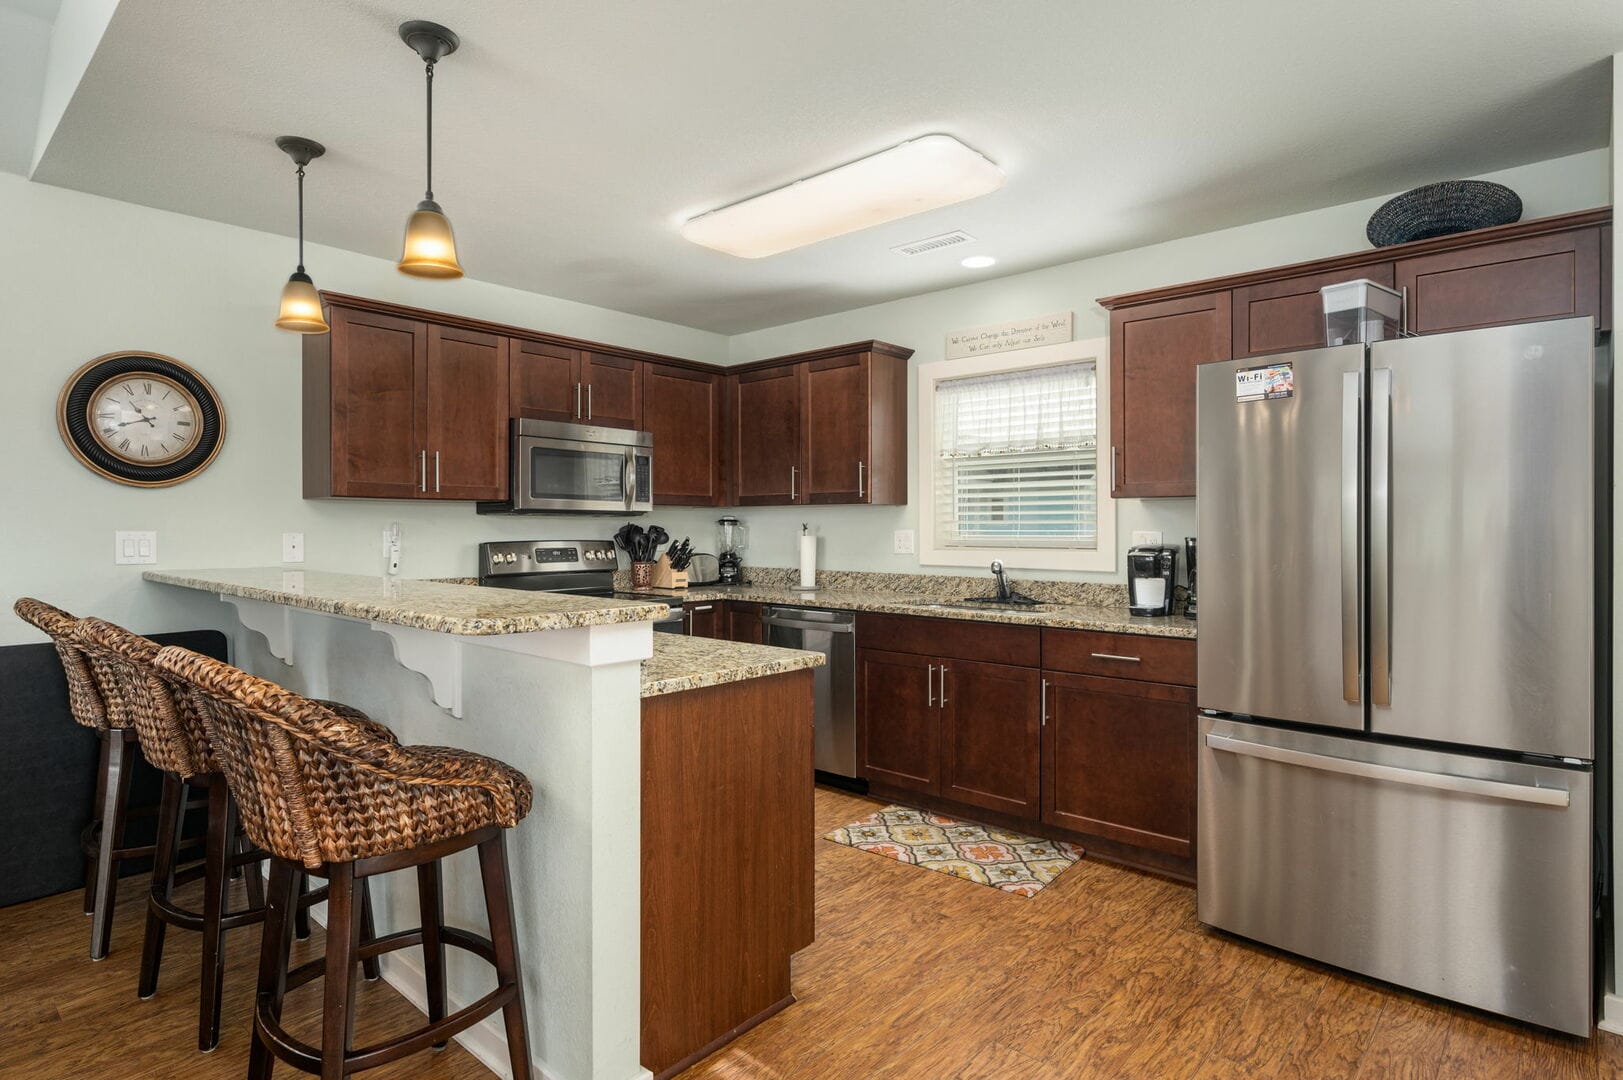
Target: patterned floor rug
x,y
1011,861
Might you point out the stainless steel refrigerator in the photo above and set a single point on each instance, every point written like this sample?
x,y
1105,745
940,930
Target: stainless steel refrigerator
x,y
1403,572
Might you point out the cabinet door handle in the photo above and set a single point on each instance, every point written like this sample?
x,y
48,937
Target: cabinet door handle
x,y
1045,703
436,472
943,702
704,607
1114,453
577,401
862,491
929,686
422,470
792,471
1114,656
588,401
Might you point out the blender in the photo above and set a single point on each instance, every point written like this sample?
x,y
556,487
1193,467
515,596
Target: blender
x,y
729,558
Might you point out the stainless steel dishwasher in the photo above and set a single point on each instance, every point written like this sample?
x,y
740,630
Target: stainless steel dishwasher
x,y
832,633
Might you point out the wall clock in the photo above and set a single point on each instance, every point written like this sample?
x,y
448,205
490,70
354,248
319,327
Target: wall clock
x,y
142,419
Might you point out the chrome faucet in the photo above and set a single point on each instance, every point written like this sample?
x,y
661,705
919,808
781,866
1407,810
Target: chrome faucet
x,y
1003,592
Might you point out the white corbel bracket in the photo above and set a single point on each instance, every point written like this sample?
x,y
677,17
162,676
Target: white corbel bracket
x,y
273,622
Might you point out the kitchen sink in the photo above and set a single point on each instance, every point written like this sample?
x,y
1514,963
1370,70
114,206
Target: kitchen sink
x,y
962,605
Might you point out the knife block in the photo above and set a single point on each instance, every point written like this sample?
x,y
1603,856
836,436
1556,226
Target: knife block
x,y
666,578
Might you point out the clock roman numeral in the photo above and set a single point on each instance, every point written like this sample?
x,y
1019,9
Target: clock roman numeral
x,y
127,389
125,445
109,431
145,450
183,423
146,388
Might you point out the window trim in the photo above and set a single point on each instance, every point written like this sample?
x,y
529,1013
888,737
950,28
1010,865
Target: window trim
x,y
1101,559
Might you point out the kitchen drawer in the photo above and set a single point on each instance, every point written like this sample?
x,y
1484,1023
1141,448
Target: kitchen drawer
x,y
958,639
1121,656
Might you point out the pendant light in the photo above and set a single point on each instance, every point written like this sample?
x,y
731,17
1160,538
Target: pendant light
x,y
429,249
301,304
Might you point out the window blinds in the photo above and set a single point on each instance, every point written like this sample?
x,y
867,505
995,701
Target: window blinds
x,y
1016,459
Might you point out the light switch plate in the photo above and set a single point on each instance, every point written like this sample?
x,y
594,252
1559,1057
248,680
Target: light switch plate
x,y
902,542
1148,537
292,547
130,548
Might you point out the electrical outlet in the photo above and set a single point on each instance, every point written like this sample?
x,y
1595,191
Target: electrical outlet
x,y
135,547
1145,537
902,542
292,547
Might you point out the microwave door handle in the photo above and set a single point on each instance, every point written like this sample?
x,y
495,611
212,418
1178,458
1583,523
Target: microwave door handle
x,y
631,479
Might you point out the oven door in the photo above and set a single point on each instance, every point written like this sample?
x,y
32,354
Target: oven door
x,y
580,476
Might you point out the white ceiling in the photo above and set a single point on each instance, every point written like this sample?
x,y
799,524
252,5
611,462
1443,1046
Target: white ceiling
x,y
572,138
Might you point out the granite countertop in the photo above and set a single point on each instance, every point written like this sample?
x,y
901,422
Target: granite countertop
x,y
687,663
1069,616
427,605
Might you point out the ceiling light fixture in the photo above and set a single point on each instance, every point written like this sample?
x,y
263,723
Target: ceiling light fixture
x,y
430,248
301,304
978,262
923,174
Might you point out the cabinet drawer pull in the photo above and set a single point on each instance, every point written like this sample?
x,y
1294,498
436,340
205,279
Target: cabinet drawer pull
x,y
943,701
422,469
704,607
436,472
1045,703
588,401
577,401
862,487
792,471
1113,656
929,686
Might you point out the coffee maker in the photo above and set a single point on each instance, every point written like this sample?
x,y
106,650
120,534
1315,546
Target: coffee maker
x,y
1151,572
729,556
1189,568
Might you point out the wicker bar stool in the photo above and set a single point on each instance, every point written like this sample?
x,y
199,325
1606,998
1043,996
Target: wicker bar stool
x,y
318,792
102,841
174,740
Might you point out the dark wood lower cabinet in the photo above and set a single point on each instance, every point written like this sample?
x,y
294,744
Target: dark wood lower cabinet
x,y
901,722
703,618
1119,761
991,728
743,622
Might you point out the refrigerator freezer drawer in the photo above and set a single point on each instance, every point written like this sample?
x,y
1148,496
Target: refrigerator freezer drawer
x,y
1464,877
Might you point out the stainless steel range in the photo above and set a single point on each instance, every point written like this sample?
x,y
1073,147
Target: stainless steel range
x,y
583,567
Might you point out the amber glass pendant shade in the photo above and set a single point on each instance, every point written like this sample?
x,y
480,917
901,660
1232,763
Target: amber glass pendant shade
x,y
301,307
430,248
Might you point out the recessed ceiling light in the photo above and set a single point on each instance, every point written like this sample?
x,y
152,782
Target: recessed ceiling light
x,y
979,262
920,175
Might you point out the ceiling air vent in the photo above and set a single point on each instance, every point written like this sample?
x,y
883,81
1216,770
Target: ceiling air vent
x,y
933,243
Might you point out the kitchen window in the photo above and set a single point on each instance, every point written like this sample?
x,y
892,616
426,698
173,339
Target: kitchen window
x,y
1010,459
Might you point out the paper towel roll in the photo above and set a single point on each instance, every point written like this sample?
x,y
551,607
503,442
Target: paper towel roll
x,y
808,561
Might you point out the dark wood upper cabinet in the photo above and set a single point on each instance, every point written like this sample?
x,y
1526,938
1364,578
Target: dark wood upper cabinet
x,y
764,450
848,443
1546,268
1119,761
1154,350
612,390
682,409
1280,316
991,736
465,403
899,720
362,430
1553,276
543,381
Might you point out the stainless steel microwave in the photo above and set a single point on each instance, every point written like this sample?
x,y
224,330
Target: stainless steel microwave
x,y
578,469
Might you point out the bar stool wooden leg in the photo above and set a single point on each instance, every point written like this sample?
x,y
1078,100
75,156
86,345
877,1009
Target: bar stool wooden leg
x,y
97,808
120,766
431,906
216,883
273,959
166,842
301,919
252,875
499,906
370,967
343,941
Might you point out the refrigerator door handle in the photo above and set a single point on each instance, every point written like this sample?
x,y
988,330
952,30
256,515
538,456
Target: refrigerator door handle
x,y
1380,537
1352,533
1369,770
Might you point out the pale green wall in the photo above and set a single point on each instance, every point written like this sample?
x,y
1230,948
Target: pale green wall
x,y
85,275
860,539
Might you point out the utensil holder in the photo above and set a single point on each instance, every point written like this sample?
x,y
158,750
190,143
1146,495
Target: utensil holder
x,y
666,578
642,575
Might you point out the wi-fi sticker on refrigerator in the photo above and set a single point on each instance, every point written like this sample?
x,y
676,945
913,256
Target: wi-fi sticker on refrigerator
x,y
1264,383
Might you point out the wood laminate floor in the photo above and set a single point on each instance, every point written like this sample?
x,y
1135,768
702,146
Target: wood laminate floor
x,y
1105,974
